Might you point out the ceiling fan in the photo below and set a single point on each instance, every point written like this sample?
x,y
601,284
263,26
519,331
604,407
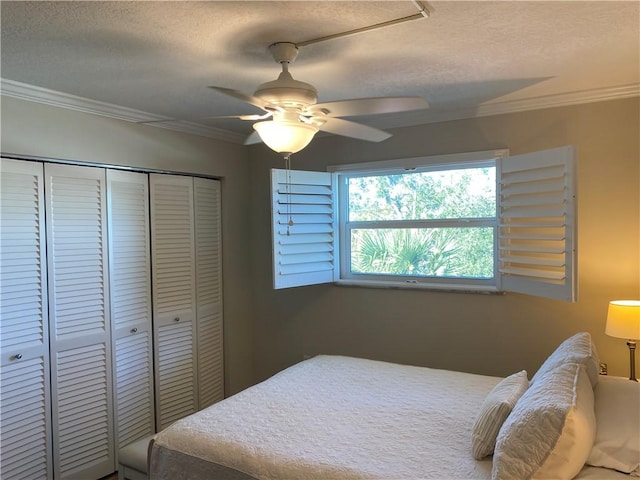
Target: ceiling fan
x,y
292,117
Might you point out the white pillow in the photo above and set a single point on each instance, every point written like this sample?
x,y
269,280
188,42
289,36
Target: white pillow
x,y
550,431
617,443
576,349
494,411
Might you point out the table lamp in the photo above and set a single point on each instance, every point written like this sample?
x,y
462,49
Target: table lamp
x,y
623,321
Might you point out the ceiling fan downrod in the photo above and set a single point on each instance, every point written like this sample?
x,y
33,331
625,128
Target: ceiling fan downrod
x,y
423,12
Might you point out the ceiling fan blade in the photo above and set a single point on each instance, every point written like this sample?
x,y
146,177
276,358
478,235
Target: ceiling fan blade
x,y
149,122
347,128
241,117
251,100
252,139
371,106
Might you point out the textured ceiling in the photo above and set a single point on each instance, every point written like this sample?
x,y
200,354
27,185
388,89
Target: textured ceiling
x,y
158,57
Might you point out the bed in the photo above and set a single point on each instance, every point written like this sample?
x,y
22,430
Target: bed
x,y
335,417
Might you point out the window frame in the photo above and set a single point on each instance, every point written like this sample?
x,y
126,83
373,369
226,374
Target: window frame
x,y
343,173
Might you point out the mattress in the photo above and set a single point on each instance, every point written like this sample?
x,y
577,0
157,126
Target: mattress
x,y
334,417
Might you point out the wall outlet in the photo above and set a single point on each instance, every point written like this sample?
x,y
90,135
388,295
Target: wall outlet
x,y
603,368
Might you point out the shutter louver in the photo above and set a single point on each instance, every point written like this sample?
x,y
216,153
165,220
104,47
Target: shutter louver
x,y
25,413
209,291
130,266
303,228
79,317
537,216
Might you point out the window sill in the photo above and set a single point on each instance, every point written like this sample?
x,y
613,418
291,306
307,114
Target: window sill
x,y
435,287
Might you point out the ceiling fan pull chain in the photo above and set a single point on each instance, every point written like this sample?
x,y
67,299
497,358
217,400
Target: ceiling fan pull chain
x,y
287,166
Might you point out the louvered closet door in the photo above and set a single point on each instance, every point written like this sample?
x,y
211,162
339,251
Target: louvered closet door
x,y
79,322
130,288
25,419
209,291
174,298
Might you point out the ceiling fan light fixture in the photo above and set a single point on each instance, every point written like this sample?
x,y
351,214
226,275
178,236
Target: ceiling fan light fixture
x,y
285,136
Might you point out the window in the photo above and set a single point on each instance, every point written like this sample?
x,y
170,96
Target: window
x,y
475,221
428,224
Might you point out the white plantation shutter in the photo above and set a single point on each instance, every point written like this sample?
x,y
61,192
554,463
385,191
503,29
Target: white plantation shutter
x,y
302,227
209,291
537,224
80,340
25,415
174,299
130,289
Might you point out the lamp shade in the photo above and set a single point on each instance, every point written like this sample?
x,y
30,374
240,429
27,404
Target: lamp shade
x,y
284,136
623,319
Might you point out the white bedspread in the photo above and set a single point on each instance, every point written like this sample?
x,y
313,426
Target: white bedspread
x,y
334,417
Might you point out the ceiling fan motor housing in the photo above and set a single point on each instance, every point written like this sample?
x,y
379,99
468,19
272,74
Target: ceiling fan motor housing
x,y
285,91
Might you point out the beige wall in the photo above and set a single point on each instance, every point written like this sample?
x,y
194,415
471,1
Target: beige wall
x,y
487,334
40,130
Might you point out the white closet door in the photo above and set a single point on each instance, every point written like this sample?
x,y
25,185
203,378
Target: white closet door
x,y
209,291
79,322
25,418
130,288
174,299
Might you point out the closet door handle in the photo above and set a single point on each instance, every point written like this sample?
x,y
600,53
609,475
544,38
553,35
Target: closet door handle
x,y
134,330
17,356
177,319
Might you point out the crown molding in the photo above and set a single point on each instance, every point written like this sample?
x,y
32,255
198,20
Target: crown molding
x,y
32,93
560,100
36,94
435,115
